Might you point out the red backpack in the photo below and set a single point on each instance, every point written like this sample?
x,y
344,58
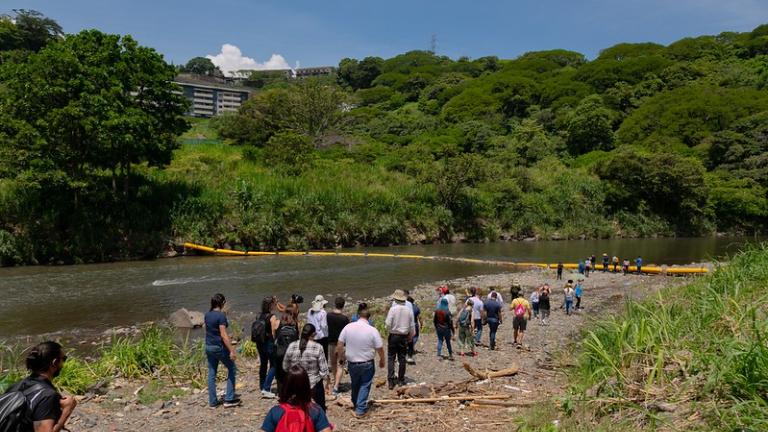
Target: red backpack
x,y
294,419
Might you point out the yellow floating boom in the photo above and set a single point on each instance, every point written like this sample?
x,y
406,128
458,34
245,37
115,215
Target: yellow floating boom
x,y
570,266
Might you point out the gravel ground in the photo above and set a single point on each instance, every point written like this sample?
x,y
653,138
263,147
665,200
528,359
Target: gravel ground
x,y
541,364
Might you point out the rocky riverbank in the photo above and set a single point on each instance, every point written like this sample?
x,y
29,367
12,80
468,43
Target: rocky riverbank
x,y
148,405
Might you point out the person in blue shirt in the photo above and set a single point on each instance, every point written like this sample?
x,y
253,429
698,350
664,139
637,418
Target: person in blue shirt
x,y
219,349
296,409
577,292
639,264
492,309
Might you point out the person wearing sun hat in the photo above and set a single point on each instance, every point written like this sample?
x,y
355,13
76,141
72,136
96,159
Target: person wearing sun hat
x,y
319,318
401,326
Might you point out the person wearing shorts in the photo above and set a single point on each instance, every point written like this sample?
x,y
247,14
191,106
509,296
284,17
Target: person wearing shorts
x,y
521,310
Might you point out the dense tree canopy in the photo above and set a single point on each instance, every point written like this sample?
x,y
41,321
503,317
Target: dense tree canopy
x,y
643,140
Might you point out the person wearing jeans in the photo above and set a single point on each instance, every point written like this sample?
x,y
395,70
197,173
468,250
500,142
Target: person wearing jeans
x,y
493,308
358,343
444,328
218,348
265,345
361,376
477,314
216,354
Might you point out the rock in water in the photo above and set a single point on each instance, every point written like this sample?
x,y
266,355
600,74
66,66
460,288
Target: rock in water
x,y
196,318
181,319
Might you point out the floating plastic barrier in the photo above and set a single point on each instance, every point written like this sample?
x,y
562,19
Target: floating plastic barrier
x,y
570,266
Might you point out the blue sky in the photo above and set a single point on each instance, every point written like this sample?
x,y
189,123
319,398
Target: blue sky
x,y
321,32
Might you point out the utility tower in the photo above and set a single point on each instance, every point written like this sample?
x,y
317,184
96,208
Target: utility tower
x,y
433,44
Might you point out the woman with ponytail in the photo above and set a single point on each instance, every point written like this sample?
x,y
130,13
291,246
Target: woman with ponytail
x,y
48,409
309,354
219,349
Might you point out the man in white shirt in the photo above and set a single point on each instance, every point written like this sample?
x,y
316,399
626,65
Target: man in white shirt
x,y
358,343
477,314
401,327
499,298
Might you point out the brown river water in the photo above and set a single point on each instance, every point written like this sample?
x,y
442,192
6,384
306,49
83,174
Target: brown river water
x,y
36,300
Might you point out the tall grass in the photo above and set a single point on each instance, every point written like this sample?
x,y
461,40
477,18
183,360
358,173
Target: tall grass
x,y
154,354
701,348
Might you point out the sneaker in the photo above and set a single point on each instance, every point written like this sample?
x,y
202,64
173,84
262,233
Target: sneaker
x,y
232,403
410,360
335,392
439,358
450,358
359,416
268,394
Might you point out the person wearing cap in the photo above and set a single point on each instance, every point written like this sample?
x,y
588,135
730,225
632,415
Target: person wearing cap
x,y
445,293
606,261
319,318
401,327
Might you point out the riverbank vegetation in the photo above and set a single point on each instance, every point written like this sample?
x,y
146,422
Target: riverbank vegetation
x,y
643,140
688,358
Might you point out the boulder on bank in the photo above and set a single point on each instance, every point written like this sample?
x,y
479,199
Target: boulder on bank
x,y
183,318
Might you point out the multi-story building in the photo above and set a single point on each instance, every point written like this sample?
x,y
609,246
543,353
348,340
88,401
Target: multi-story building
x,y
319,71
208,99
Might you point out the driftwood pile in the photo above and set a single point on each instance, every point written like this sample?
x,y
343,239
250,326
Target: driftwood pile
x,y
463,391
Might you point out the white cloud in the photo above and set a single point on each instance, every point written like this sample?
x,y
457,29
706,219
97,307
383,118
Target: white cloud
x,y
231,59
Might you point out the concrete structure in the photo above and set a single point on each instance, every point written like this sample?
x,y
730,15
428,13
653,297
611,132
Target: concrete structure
x,y
208,99
319,71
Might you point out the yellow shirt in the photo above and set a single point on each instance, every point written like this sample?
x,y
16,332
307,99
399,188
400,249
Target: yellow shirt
x,y
521,301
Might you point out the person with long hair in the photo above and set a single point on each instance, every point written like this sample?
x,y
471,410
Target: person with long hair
x,y
287,333
296,410
219,349
309,354
267,326
48,410
443,321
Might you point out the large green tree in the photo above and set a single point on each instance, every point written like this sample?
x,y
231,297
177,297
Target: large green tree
x,y
27,30
200,66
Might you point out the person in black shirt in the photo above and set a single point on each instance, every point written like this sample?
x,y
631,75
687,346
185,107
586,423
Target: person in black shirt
x,y
49,410
336,322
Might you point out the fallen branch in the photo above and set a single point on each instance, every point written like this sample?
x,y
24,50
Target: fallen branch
x,y
513,370
439,399
504,403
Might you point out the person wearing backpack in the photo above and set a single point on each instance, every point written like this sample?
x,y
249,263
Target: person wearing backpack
x,y
33,404
466,338
309,354
263,335
287,333
522,311
219,349
443,322
296,412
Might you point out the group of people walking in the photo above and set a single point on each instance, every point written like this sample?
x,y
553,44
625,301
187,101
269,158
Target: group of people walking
x,y
588,265
308,363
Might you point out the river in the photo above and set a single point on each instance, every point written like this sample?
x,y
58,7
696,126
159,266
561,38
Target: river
x,y
36,300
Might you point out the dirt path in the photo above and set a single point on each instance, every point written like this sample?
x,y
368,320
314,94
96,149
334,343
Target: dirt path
x,y
540,376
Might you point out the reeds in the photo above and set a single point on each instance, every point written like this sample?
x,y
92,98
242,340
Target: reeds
x,y
703,345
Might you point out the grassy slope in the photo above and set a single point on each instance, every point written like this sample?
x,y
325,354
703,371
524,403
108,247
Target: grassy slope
x,y
692,358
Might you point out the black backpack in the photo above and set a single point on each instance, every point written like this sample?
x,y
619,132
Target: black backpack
x,y
285,335
260,327
15,411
